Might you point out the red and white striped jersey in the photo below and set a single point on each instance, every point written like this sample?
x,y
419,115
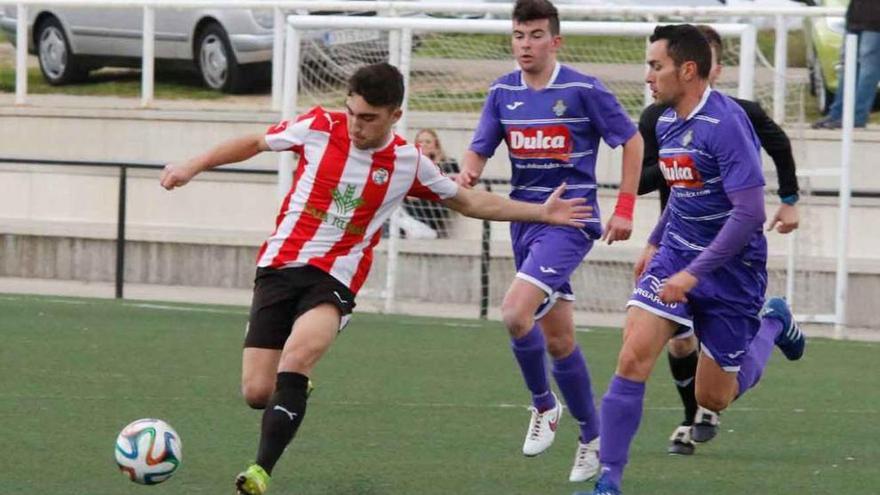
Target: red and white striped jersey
x,y
333,214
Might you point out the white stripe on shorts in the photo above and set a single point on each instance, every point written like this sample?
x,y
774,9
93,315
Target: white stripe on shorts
x,y
662,314
729,369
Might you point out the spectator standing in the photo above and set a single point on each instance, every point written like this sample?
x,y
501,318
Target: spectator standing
x,y
862,18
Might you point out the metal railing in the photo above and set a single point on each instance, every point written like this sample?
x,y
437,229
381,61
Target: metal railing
x,y
123,167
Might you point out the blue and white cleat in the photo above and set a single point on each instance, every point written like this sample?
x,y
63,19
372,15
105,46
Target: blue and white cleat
x,y
791,340
605,487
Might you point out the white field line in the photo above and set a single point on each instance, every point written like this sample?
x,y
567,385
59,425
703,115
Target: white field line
x,y
427,321
422,405
196,309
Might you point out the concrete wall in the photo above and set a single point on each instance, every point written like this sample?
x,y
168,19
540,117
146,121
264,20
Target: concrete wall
x,y
239,209
602,284
169,135
59,222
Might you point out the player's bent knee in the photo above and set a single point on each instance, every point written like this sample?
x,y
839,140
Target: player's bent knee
x,y
257,404
560,346
302,359
257,395
632,367
515,320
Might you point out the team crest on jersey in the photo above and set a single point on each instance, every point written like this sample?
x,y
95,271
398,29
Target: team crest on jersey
x,y
346,201
688,137
380,176
344,204
681,171
551,141
559,108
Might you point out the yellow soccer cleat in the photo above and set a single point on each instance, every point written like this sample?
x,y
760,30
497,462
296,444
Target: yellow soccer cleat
x,y
252,481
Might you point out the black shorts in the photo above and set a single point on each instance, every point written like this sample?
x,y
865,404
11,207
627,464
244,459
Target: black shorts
x,y
282,295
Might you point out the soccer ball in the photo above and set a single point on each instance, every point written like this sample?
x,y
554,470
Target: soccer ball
x,y
148,451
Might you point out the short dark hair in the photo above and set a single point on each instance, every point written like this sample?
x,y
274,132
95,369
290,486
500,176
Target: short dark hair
x,y
686,44
535,10
380,85
713,38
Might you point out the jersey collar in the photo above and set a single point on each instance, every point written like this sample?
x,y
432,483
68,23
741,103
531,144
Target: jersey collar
x,y
701,104
382,146
552,80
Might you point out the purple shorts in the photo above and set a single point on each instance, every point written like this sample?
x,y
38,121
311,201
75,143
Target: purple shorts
x,y
546,256
722,309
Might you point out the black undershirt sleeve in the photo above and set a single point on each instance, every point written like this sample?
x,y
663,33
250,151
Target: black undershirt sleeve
x,y
652,178
776,143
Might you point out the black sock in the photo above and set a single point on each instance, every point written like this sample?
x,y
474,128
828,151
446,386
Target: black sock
x,y
282,418
684,369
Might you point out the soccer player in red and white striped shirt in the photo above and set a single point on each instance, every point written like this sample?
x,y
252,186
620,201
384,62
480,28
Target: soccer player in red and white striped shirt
x,y
353,171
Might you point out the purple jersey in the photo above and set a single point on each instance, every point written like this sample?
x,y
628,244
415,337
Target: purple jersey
x,y
713,152
706,158
552,134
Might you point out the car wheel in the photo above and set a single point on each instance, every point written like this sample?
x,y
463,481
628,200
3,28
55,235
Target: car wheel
x,y
216,61
57,61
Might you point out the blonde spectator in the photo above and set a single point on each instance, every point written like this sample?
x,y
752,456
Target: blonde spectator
x,y
424,220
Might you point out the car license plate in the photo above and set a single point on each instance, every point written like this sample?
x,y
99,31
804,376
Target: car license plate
x,y
346,36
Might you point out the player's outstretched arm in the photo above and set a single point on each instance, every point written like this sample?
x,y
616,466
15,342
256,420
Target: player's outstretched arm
x,y
472,165
232,151
619,227
489,206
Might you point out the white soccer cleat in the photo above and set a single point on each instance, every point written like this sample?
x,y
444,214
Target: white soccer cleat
x,y
586,461
680,443
705,425
542,429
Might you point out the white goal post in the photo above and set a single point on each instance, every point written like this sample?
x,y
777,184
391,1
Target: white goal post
x,y
405,26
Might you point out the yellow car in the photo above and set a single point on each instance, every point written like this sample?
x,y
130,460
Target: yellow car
x,y
824,40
